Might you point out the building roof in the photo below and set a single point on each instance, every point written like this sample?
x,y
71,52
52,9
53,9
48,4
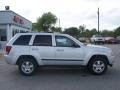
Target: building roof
x,y
10,17
15,13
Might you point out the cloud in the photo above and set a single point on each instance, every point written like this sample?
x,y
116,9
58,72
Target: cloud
x,y
70,12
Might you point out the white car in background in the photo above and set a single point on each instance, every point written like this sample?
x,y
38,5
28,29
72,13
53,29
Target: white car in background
x,y
97,39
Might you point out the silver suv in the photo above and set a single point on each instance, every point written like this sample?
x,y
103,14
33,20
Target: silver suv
x,y
30,50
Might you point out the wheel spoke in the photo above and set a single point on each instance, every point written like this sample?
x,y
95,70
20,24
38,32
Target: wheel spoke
x,y
31,66
102,65
23,66
27,63
98,62
94,65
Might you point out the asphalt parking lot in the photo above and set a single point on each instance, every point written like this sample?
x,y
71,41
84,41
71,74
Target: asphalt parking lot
x,y
61,79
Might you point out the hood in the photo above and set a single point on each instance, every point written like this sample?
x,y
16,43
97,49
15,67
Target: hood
x,y
97,47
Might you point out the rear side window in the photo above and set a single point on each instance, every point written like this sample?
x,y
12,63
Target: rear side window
x,y
43,40
23,40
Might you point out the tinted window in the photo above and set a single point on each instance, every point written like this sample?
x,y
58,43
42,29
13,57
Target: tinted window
x,y
23,40
62,41
3,35
43,40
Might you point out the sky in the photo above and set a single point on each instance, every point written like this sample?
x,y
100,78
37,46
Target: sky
x,y
72,13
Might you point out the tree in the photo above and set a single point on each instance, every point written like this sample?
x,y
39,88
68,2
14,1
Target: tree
x,y
107,33
93,32
87,33
117,32
34,26
56,29
82,29
73,31
46,21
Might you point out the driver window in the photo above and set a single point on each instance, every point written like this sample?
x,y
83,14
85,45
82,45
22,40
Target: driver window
x,y
62,41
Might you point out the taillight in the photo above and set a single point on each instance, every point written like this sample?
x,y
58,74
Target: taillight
x,y
8,48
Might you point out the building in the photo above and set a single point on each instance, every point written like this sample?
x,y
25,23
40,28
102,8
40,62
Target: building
x,y
12,23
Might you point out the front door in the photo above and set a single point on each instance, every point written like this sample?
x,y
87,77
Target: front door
x,y
67,52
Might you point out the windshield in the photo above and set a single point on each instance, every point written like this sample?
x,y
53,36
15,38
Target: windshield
x,y
98,36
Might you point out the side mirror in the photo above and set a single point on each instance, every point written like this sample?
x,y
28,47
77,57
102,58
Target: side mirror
x,y
75,45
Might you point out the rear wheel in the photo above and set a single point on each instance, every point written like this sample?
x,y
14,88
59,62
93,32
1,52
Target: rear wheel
x,y
97,66
27,66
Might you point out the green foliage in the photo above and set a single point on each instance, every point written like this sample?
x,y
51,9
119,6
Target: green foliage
x,y
107,33
86,32
34,26
56,29
93,32
46,21
73,31
117,32
80,32
82,28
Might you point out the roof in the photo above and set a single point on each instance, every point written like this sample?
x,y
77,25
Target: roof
x,y
41,33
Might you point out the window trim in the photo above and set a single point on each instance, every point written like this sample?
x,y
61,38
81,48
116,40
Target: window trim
x,y
42,45
19,44
67,38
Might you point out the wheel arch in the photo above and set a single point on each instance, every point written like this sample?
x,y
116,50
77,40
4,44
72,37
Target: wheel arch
x,y
101,56
26,56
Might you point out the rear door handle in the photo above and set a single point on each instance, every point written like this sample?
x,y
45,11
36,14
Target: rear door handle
x,y
60,50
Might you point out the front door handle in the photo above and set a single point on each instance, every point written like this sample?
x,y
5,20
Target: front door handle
x,y
60,50
35,49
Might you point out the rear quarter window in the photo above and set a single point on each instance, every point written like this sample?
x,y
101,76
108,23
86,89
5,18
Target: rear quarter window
x,y
22,40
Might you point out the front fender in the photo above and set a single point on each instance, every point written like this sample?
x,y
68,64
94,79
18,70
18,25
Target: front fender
x,y
90,54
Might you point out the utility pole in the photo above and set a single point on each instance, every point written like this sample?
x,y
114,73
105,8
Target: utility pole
x,y
59,23
98,22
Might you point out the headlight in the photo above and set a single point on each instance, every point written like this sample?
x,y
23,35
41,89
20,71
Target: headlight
x,y
95,39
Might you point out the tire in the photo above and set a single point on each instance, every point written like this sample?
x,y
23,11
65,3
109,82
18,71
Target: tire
x,y
97,66
95,42
103,42
27,66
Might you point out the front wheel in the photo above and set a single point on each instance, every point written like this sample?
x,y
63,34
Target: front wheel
x,y
97,66
27,67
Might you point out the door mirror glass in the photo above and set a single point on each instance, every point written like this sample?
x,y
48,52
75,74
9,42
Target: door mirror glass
x,y
75,45
62,41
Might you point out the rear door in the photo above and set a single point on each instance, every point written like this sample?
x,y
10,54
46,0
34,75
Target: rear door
x,y
42,44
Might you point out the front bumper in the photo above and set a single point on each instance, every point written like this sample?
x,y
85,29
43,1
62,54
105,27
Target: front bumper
x,y
99,41
111,60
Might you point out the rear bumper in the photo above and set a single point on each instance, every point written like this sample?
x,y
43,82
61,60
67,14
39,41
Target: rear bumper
x,y
9,60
